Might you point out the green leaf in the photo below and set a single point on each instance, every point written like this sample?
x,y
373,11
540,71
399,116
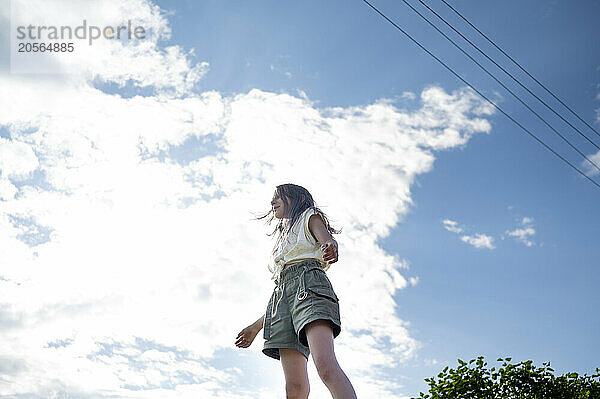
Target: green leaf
x,y
511,381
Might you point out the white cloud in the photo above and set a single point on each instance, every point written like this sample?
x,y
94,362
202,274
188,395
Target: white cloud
x,y
476,240
452,226
282,65
17,159
431,362
523,233
479,240
144,266
526,220
7,189
590,169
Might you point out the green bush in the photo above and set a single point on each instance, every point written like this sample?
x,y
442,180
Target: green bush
x,y
511,381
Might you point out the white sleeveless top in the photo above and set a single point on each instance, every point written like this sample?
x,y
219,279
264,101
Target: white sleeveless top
x,y
298,245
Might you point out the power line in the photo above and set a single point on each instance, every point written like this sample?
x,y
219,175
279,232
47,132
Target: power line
x,y
508,73
503,85
522,69
478,92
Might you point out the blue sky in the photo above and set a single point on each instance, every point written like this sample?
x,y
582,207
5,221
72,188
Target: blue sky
x,y
299,92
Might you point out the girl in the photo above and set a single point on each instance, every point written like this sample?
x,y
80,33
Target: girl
x,y
302,316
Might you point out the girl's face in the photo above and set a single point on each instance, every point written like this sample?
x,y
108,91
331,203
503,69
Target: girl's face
x,y
277,205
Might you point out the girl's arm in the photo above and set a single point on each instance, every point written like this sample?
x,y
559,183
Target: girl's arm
x,y
246,336
324,237
258,324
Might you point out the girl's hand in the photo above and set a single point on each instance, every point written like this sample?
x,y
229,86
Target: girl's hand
x,y
330,251
246,336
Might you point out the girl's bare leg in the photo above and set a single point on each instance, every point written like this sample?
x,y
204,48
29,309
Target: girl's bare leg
x,y
320,342
296,376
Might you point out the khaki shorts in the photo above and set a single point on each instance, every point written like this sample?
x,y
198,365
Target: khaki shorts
x,y
303,294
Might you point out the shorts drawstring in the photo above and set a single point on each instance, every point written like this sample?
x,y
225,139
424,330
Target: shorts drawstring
x,y
302,291
274,311
302,294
